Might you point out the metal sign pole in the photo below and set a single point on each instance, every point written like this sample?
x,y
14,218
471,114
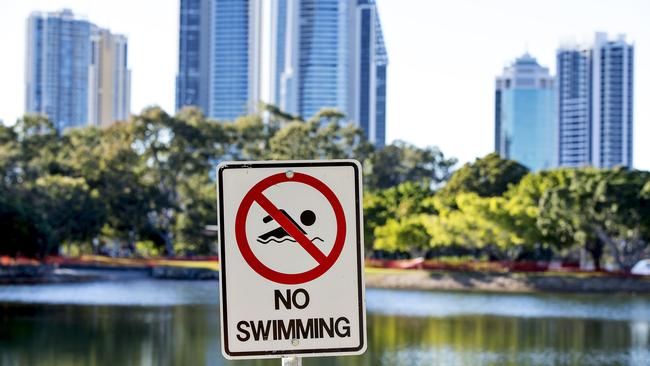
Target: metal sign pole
x,y
291,361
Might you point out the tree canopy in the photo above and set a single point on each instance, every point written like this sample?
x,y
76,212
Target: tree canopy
x,y
495,207
149,181
489,176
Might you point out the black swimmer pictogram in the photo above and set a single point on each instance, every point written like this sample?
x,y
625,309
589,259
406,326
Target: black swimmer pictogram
x,y
279,235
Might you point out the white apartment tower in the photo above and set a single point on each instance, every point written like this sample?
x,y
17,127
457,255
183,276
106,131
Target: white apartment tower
x,y
595,96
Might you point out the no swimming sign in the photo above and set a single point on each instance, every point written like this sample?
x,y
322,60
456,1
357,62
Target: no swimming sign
x,y
291,251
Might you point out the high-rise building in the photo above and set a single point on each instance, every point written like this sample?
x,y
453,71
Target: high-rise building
x,y
330,54
194,54
525,118
219,56
595,86
372,66
316,55
76,73
109,80
58,57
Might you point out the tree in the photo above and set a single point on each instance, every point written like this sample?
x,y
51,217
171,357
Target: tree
x,y
198,209
248,137
395,203
152,178
600,209
68,209
28,150
489,176
471,211
407,234
473,222
402,162
38,146
521,209
277,117
172,149
321,137
10,158
110,165
21,235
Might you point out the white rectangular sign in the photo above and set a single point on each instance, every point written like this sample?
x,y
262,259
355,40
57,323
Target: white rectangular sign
x,y
291,251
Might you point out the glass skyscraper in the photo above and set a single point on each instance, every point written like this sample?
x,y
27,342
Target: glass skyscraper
x,y
595,84
372,66
76,73
219,56
58,58
193,54
330,54
525,114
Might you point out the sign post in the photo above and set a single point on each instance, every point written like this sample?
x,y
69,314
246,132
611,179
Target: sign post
x,y
291,361
291,252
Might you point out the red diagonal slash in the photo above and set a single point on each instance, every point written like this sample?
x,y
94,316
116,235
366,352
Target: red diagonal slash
x,y
290,228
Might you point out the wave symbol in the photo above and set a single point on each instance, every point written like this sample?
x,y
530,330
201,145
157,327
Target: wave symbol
x,y
286,238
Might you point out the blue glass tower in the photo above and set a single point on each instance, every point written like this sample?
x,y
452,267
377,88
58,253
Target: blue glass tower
x,y
279,26
595,84
193,56
525,118
58,58
219,56
330,54
372,66
323,57
235,58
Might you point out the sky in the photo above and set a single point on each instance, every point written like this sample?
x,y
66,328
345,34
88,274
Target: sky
x,y
443,58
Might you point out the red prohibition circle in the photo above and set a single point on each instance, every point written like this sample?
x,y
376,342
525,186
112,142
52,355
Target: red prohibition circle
x,y
325,262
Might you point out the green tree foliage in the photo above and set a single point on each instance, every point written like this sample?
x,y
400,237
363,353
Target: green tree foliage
x,y
322,137
402,162
599,210
151,179
470,211
69,209
198,208
404,200
489,176
605,212
150,183
408,234
18,226
517,211
473,222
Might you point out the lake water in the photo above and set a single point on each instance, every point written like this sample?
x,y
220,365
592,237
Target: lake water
x,y
153,322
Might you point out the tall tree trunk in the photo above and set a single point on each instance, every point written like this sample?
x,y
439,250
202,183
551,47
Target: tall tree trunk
x,y
596,251
605,238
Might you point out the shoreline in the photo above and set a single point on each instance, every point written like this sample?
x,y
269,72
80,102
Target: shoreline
x,y
510,282
48,274
411,279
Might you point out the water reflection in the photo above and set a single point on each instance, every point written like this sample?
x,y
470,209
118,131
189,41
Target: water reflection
x,y
123,291
441,304
109,335
147,292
